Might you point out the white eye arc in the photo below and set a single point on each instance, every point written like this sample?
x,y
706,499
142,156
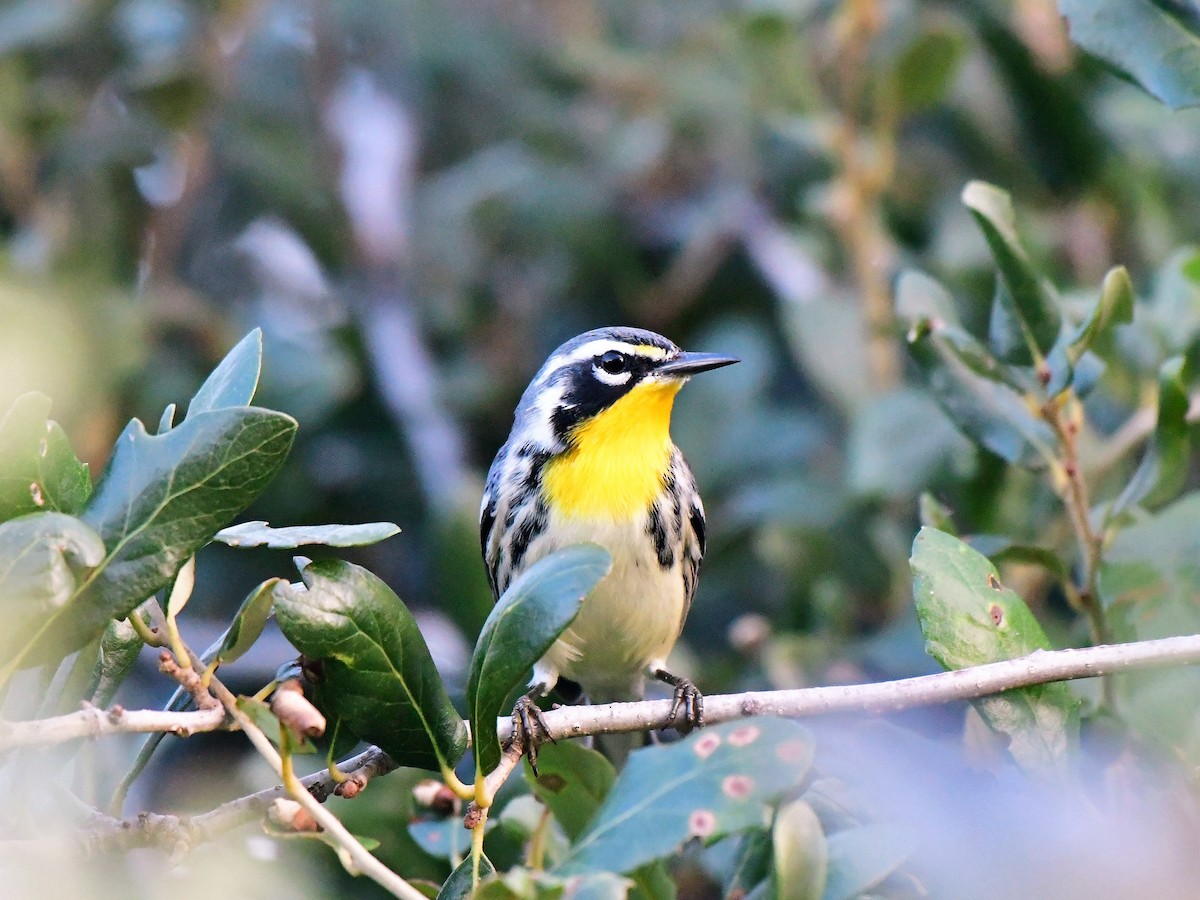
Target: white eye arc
x,y
610,378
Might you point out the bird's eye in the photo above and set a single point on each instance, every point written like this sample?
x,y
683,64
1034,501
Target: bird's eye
x,y
613,362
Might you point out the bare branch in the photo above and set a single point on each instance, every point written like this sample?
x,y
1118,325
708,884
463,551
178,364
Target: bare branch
x,y
92,722
890,696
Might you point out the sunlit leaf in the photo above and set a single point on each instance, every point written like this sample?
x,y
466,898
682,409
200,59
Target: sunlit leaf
x,y
527,619
969,618
260,534
372,667
248,622
234,380
718,781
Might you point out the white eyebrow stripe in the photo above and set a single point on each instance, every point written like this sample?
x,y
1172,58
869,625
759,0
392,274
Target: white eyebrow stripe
x,y
592,349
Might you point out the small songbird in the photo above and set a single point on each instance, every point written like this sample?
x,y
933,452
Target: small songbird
x,y
590,458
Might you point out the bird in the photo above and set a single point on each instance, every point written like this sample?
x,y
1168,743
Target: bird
x,y
590,459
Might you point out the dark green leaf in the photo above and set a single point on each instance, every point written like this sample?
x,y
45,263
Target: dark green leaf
x,y
1027,297
979,395
377,676
926,69
43,557
119,649
248,622
969,618
572,781
260,534
1160,49
716,782
38,469
459,885
1163,469
233,382
752,865
861,858
160,500
527,619
800,853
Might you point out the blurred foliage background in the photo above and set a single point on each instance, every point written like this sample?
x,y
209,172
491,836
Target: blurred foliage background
x,y
417,201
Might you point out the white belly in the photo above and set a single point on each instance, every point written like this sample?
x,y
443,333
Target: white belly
x,y
628,623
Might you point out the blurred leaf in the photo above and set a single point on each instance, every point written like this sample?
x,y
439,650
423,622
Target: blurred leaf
x,y
444,838
1153,43
935,514
1164,466
969,618
899,442
42,558
1026,296
653,882
714,783
167,421
979,396
752,864
260,534
33,23
527,619
861,858
920,297
1001,548
572,781
248,622
800,852
925,70
119,649
376,674
1115,305
38,470
1149,582
458,885
234,380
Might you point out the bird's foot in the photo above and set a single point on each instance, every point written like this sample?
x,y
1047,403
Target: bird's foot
x,y
687,699
530,728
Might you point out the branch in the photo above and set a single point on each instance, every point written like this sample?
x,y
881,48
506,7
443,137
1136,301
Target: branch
x,y
91,722
1040,667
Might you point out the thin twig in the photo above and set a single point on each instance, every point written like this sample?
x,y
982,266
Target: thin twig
x,y
92,722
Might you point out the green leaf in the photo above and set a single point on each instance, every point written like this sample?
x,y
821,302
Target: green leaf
x,y
38,470
233,382
718,781
861,858
42,558
458,885
979,395
376,674
935,514
925,70
181,588
1026,298
524,884
167,421
248,622
119,649
1155,45
1115,305
160,500
1164,467
969,618
800,852
527,619
653,882
572,781
752,865
1001,548
260,534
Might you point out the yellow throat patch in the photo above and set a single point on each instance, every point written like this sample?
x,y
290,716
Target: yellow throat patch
x,y
618,458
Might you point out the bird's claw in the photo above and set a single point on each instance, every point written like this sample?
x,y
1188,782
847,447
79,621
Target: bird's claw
x,y
530,728
687,697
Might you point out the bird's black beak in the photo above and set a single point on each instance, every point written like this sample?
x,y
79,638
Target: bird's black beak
x,y
691,363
